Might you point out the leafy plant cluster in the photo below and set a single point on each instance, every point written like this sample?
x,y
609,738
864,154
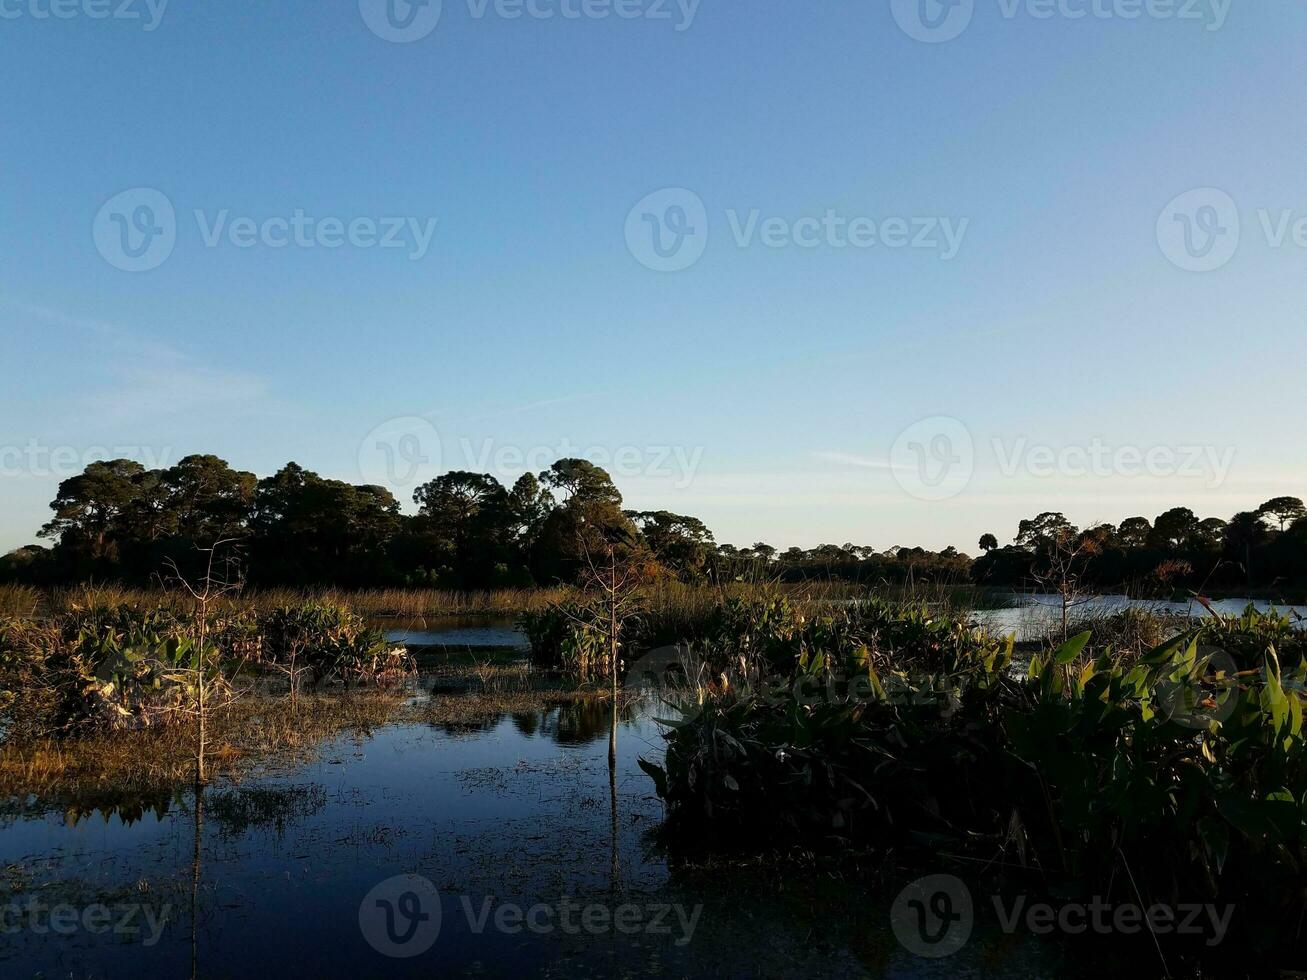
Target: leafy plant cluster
x,y
106,669
569,637
1179,775
124,667
332,643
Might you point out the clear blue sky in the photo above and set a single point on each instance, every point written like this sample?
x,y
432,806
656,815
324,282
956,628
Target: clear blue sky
x,y
529,323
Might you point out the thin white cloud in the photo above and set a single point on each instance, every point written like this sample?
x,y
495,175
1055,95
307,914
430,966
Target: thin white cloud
x,y
148,381
849,459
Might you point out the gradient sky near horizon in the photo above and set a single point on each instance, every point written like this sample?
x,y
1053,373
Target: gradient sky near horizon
x,y
778,393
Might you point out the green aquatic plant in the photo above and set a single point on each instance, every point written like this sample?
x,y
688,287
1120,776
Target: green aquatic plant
x,y
1185,767
330,642
569,637
99,668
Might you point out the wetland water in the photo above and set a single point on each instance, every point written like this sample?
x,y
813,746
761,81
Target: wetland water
x,y
537,864
1031,616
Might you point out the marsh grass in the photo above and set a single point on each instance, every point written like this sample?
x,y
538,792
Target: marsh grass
x,y
263,732
255,733
399,603
1129,633
673,602
20,600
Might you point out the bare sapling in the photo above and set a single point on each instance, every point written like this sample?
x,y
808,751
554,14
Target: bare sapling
x,y
204,695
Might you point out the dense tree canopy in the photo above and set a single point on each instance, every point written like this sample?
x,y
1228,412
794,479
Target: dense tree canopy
x,y
119,521
1175,550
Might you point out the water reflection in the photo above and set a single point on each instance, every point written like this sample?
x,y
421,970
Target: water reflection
x,y
535,805
239,810
570,722
124,807
456,632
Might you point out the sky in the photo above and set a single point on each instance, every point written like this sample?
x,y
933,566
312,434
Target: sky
x,y
889,272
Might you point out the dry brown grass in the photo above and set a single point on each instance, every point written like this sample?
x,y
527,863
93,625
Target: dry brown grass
x,y
256,731
20,600
670,600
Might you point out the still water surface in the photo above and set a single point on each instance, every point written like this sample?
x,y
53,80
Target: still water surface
x,y
1031,616
517,811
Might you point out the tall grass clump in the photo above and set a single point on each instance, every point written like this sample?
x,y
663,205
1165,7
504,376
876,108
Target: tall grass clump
x,y
19,600
1176,775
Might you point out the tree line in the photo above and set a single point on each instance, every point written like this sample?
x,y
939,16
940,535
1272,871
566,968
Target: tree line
x,y
1261,548
118,521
